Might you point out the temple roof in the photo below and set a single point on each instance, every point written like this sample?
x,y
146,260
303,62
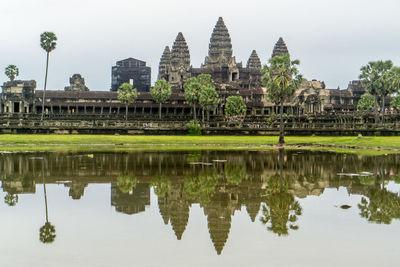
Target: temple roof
x,y
220,42
254,61
180,56
280,48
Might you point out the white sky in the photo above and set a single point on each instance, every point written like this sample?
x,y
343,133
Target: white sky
x,y
332,38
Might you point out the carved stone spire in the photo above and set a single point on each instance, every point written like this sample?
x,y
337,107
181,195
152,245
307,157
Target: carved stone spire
x,y
180,56
165,62
254,61
220,48
280,48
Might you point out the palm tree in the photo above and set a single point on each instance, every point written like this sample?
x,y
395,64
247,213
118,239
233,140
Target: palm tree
x,y
11,72
192,89
161,92
282,79
127,95
48,43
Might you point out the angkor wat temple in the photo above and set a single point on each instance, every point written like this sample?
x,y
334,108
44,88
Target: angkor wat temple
x,y
231,78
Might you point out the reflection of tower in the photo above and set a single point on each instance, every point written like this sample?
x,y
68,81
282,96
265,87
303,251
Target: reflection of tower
x,y
175,208
131,203
219,212
76,189
253,207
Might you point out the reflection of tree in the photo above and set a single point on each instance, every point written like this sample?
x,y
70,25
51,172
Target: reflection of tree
x,y
47,232
126,183
382,206
235,172
11,199
200,187
161,185
280,210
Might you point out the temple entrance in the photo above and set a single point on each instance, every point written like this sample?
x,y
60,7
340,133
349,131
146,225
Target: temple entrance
x,y
234,76
16,107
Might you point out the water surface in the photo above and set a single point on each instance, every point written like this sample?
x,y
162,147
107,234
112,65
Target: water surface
x,y
247,208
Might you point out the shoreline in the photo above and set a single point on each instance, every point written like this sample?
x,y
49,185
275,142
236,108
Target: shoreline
x,y
126,143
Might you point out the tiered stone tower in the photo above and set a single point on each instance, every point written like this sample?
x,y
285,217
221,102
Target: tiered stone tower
x,y
165,63
280,48
254,61
220,60
180,61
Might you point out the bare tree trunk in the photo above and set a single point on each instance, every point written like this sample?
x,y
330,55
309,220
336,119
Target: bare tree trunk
x,y
160,110
194,112
376,110
208,115
383,110
45,84
126,112
281,131
203,114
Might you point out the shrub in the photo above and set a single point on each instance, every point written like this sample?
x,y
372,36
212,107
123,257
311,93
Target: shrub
x,y
193,128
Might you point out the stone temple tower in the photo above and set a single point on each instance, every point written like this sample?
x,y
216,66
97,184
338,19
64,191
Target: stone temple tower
x,y
280,48
180,62
254,61
165,63
220,60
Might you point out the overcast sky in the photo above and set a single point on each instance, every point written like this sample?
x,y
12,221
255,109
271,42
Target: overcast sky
x,y
331,38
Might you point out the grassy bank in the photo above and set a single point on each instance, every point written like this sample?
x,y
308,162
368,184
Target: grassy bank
x,y
365,145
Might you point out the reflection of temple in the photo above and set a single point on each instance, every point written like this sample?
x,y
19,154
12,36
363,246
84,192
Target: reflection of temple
x,y
132,202
307,174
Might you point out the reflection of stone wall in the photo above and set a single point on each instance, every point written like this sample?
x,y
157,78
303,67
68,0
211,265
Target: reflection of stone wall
x,y
132,202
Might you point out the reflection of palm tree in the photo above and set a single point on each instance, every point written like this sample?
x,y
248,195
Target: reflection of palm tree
x,y
382,206
126,183
162,186
47,232
235,173
200,187
11,199
281,209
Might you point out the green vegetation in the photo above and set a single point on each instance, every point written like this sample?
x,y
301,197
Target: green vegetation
x,y
235,106
194,129
343,144
192,89
395,102
282,79
127,94
366,102
48,43
161,92
380,78
208,100
11,72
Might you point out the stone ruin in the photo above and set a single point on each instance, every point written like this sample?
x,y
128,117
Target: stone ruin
x,y
77,83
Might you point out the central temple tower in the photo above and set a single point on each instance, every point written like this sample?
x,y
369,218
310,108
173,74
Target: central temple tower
x,y
220,60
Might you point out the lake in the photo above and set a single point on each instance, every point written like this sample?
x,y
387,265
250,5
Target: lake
x,y
209,208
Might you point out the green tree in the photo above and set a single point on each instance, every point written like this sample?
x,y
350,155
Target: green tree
x,y
235,106
11,72
48,43
127,95
379,79
208,99
126,183
366,102
192,90
395,102
161,92
281,79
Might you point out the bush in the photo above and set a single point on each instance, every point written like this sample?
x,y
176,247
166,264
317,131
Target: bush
x,y
235,106
193,128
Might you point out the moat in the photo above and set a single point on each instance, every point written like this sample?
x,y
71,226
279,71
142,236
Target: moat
x,y
199,208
